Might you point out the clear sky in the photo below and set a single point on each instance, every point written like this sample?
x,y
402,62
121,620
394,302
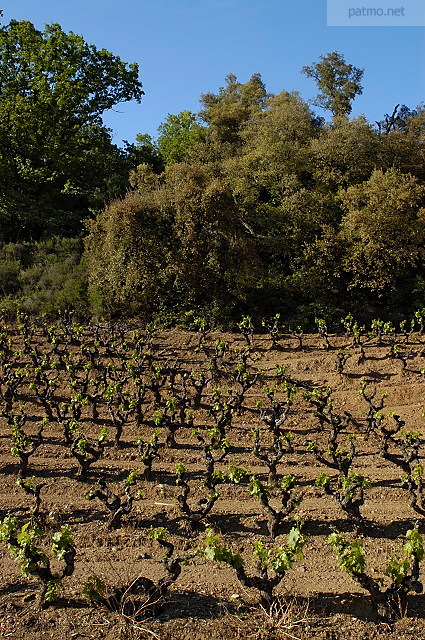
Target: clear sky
x,y
187,47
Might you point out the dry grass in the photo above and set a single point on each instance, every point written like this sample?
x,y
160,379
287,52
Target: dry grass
x,y
286,618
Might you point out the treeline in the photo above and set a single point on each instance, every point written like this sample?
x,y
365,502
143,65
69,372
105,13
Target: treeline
x,y
255,205
265,208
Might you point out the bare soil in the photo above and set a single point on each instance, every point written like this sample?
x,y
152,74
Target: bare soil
x,y
315,599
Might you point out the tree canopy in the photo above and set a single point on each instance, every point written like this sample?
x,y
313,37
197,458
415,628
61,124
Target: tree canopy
x,y
271,209
177,135
56,156
338,82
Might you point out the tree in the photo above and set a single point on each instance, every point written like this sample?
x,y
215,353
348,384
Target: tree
x,y
384,224
213,261
145,151
339,83
397,120
228,110
177,135
271,181
345,153
128,250
173,243
403,146
55,154
272,161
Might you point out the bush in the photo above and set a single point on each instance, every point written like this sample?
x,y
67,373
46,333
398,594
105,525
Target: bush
x,y
43,277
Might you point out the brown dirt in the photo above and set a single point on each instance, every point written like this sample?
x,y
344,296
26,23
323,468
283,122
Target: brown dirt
x,y
314,600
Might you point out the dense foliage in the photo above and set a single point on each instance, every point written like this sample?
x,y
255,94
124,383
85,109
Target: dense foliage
x,y
57,159
253,206
263,208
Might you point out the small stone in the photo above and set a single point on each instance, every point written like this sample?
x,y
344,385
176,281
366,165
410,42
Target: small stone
x,y
54,516
29,597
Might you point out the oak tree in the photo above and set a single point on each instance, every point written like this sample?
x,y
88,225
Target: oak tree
x,y
338,82
56,155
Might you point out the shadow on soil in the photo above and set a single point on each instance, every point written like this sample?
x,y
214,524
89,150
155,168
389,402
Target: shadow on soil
x,y
189,604
359,606
15,588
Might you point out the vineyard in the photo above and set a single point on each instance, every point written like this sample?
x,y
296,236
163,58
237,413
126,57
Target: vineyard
x,y
263,484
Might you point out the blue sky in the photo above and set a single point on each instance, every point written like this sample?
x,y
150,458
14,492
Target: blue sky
x,y
187,47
